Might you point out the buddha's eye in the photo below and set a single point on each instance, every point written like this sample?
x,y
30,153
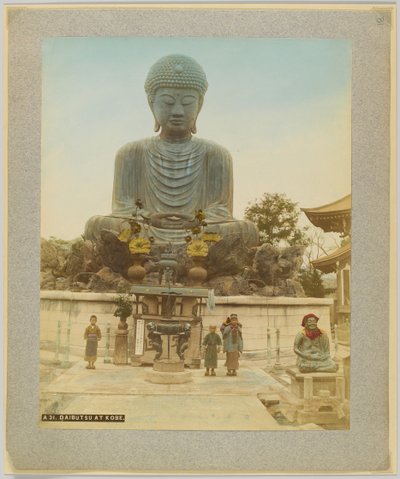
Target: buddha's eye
x,y
168,100
188,100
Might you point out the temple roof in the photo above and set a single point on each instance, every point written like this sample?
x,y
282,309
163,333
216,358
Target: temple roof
x,y
334,216
327,264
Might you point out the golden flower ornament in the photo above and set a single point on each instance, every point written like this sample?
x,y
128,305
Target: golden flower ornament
x,y
197,248
211,237
139,245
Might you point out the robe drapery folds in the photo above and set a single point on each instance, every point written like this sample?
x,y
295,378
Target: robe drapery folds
x,y
174,178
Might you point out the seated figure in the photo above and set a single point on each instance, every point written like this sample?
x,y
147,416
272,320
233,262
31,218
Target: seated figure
x,y
174,174
312,348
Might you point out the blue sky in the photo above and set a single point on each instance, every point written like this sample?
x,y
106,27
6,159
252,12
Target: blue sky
x,y
282,107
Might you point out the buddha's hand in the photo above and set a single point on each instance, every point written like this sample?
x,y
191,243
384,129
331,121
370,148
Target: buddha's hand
x,y
170,221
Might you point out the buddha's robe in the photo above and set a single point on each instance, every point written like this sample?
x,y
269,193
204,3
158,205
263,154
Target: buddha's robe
x,y
174,178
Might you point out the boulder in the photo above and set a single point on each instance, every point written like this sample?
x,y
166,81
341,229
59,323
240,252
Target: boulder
x,y
228,257
108,280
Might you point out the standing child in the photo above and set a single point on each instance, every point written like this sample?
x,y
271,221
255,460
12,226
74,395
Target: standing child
x,y
92,336
212,343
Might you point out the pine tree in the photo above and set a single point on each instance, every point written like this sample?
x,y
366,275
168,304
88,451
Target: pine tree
x,y
311,280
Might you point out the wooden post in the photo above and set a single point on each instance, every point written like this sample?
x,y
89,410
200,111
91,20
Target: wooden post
x,y
107,359
66,363
278,365
56,359
269,349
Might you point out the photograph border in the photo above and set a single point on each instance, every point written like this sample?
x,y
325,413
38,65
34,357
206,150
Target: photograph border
x,y
369,444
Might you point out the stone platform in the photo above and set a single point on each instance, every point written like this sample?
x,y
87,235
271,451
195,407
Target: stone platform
x,y
205,403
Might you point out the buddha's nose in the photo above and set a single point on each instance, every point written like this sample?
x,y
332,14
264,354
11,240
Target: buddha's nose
x,y
177,110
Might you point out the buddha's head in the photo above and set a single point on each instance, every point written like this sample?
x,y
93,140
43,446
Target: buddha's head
x,y
175,87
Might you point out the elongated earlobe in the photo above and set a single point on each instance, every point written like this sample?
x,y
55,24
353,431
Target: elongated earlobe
x,y
156,126
194,128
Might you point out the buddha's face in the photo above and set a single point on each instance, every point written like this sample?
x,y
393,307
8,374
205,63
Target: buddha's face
x,y
176,110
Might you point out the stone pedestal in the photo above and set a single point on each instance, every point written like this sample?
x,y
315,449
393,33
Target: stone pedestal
x,y
169,366
316,397
320,381
168,371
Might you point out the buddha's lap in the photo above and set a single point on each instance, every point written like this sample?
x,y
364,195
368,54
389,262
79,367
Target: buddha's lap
x,y
242,228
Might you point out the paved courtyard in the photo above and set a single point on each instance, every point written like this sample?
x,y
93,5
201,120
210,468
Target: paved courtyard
x,y
208,403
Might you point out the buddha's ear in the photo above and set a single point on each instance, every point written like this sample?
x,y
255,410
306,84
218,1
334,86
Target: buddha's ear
x,y
201,99
156,125
194,127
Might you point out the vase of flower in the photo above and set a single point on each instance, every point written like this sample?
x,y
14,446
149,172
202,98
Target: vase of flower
x,y
197,274
197,250
138,247
137,272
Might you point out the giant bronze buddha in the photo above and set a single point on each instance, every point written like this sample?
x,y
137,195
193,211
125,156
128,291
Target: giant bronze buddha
x,y
174,174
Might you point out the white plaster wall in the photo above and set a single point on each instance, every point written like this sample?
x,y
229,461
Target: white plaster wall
x,y
256,314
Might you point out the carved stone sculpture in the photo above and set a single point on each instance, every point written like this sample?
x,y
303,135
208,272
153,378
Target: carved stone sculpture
x,y
174,174
312,348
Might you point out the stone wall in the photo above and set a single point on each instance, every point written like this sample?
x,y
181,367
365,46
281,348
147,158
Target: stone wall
x,y
257,315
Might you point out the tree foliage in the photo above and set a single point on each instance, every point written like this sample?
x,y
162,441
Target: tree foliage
x,y
311,280
276,217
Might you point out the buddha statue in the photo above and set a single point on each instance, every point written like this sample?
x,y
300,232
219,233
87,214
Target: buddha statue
x,y
174,174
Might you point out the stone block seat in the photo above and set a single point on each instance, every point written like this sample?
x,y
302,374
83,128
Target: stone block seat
x,y
321,396
324,381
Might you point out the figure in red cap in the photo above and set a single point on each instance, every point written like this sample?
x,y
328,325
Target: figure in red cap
x,y
312,348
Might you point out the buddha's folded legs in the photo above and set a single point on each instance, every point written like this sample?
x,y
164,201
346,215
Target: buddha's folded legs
x,y
244,229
